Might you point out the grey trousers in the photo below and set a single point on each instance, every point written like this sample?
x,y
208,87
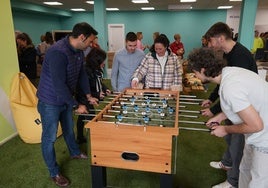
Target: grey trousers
x,y
232,156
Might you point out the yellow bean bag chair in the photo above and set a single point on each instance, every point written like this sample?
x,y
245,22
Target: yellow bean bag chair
x,y
24,109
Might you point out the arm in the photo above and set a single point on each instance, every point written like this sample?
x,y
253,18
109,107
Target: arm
x,y
214,94
114,74
252,123
84,84
141,71
178,74
173,48
216,108
218,118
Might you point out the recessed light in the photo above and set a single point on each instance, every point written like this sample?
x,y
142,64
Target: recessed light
x,y
112,9
140,1
224,7
90,2
53,3
147,8
179,7
188,1
78,9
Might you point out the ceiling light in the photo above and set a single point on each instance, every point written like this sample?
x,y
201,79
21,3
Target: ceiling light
x,y
53,3
90,2
224,7
235,0
187,1
147,8
112,9
179,7
140,1
78,9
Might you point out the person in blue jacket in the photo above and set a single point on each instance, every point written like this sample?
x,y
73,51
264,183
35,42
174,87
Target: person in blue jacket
x,y
62,71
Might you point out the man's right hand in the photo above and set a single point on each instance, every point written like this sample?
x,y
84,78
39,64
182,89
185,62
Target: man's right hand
x,y
206,103
93,100
134,84
206,112
82,109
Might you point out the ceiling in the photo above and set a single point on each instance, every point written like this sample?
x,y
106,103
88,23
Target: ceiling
x,y
127,5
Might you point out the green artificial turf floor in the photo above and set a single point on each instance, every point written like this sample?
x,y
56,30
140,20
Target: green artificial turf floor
x,y
22,165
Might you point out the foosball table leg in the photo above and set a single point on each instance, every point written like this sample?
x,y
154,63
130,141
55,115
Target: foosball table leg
x,y
98,175
166,181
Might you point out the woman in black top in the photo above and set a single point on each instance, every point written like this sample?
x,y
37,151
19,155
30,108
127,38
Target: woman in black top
x,y
95,61
27,56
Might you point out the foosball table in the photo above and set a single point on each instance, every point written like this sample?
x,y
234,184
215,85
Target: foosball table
x,y
136,130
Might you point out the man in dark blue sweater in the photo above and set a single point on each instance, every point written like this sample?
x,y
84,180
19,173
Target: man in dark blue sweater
x,y
62,71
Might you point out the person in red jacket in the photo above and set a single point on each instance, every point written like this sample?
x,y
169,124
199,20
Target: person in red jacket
x,y
177,46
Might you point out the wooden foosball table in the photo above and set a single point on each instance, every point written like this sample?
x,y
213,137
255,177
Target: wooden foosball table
x,y
137,130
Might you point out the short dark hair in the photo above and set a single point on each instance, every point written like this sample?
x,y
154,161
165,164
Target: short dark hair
x,y
219,28
95,57
83,28
209,59
131,36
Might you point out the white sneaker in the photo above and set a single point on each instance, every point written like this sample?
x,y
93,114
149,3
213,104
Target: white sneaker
x,y
224,184
219,165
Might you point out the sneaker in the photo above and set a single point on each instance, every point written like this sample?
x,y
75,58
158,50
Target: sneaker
x,y
224,184
60,180
219,165
81,156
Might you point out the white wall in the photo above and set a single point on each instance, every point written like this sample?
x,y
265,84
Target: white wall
x,y
261,22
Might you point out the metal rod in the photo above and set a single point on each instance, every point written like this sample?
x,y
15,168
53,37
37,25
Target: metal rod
x,y
188,96
117,111
124,117
196,103
194,129
190,111
130,104
181,99
190,99
180,115
192,122
182,128
122,100
115,94
188,116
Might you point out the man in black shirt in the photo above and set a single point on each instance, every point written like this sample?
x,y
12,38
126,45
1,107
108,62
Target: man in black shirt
x,y
220,38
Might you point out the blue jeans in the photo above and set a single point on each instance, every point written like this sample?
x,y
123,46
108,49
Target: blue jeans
x,y
51,115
